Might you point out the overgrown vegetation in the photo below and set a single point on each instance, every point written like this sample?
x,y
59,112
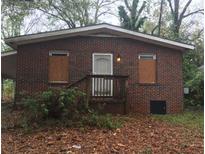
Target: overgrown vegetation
x,y
102,121
193,76
55,103
8,90
64,107
194,120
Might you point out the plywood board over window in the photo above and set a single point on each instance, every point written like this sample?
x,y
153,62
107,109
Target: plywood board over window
x,y
58,67
147,68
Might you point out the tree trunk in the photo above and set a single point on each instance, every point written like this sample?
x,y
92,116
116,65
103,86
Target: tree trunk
x,y
160,17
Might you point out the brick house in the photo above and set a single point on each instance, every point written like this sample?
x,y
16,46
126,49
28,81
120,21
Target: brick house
x,y
125,71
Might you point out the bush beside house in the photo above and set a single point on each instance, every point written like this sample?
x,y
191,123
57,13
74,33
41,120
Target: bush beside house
x,y
67,106
194,80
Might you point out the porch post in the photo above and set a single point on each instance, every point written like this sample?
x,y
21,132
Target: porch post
x,y
125,95
88,90
14,82
2,88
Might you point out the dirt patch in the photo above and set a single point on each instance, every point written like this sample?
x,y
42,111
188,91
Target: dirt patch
x,y
140,134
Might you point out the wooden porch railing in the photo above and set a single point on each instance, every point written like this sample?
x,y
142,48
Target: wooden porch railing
x,y
103,87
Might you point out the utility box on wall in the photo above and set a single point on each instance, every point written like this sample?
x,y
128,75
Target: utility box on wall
x,y
186,90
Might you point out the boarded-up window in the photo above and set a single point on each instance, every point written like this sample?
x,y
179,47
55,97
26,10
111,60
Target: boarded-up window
x,y
58,67
147,68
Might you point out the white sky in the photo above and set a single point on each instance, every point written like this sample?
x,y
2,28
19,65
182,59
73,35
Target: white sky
x,y
196,4
40,26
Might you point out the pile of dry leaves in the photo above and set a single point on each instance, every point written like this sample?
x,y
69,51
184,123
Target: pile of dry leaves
x,y
140,134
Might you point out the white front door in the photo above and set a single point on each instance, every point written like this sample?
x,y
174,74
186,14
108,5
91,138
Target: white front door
x,y
102,65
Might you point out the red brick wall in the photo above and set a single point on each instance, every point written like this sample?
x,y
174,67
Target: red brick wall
x,y
32,68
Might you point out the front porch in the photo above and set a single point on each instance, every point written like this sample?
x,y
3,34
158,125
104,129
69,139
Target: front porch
x,y
102,89
108,92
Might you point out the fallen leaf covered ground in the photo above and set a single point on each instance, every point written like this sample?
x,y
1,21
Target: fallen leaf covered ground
x,y
139,134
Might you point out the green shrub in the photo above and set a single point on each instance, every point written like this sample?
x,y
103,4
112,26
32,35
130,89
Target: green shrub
x,y
194,80
64,107
32,111
55,103
8,90
102,121
195,98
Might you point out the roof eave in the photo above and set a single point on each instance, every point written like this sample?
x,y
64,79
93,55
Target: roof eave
x,y
9,53
14,42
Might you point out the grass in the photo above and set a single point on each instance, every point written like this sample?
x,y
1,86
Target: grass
x,y
95,120
190,119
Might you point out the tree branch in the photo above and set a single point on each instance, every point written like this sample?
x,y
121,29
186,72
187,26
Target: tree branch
x,y
102,13
140,10
53,15
197,11
184,10
153,30
127,5
170,5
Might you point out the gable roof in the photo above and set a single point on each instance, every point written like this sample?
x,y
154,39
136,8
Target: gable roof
x,y
95,29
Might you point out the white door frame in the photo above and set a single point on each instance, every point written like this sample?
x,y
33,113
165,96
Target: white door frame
x,y
93,55
108,54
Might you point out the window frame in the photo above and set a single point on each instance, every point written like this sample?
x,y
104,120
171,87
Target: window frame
x,y
57,53
154,57
147,55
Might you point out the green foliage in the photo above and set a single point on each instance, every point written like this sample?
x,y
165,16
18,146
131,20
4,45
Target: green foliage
x,y
12,18
194,120
64,107
102,121
196,56
147,150
151,26
192,75
194,80
8,90
54,103
132,21
26,126
32,105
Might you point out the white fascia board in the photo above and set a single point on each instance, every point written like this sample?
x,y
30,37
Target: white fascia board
x,y
52,34
4,54
62,33
150,37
